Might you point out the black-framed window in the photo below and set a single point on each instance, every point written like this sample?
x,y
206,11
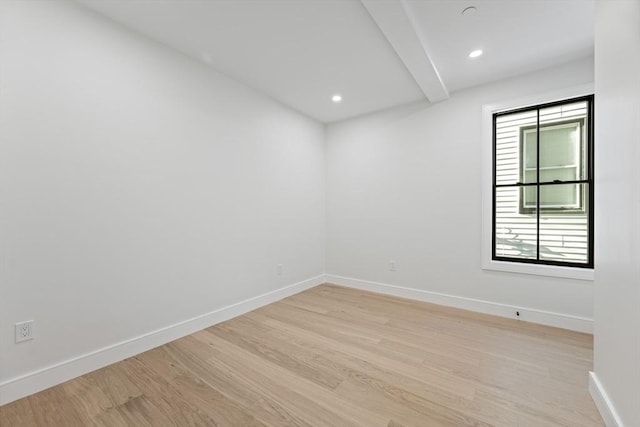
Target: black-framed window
x,y
543,184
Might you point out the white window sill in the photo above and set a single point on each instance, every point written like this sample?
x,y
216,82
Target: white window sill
x,y
540,270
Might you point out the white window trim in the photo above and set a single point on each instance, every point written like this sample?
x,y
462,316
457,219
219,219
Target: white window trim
x,y
487,186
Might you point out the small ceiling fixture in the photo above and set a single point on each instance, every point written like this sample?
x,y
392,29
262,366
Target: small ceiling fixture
x,y
336,98
475,53
468,11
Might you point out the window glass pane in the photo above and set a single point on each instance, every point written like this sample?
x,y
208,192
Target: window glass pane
x,y
560,196
565,236
559,145
529,153
563,112
508,145
529,197
516,233
563,174
563,142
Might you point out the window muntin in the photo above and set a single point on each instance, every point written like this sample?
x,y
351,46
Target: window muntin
x,y
543,192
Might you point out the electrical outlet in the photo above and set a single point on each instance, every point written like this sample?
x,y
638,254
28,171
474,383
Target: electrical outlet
x,y
392,266
24,331
279,269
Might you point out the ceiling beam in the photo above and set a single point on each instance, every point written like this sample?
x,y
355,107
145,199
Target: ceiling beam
x,y
398,27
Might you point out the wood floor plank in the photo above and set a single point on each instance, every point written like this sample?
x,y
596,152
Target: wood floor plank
x,y
351,366
140,411
294,361
88,398
115,383
195,356
334,356
160,393
407,408
55,408
312,402
17,413
341,342
220,409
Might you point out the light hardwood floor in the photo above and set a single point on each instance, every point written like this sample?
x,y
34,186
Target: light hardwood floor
x,y
333,356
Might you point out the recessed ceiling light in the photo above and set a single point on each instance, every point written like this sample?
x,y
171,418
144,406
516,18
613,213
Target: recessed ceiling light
x,y
336,98
468,11
475,53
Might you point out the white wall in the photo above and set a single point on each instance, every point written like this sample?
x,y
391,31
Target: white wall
x,y
617,280
405,185
138,188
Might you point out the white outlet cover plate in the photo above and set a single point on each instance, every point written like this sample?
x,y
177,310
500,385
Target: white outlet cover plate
x,y
24,331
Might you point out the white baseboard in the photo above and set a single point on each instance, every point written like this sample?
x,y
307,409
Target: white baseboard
x,y
32,382
559,320
603,403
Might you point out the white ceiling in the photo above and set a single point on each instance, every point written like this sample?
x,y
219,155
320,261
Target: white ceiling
x,y
376,53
